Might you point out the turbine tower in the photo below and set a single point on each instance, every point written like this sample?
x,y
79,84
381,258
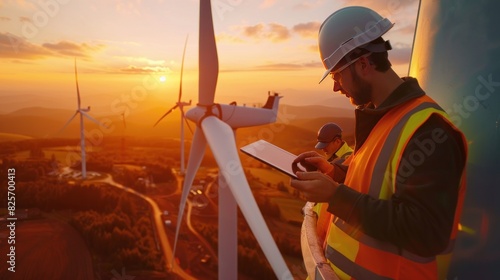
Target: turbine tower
x,y
123,137
83,113
180,104
215,125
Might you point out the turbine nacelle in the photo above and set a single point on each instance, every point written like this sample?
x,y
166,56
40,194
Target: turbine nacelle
x,y
238,116
182,103
84,109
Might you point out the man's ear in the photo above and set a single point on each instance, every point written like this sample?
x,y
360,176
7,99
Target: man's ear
x,y
366,65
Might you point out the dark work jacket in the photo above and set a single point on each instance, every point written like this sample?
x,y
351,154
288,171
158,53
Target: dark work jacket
x,y
419,215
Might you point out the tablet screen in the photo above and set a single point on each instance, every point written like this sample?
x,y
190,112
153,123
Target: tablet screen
x,y
271,155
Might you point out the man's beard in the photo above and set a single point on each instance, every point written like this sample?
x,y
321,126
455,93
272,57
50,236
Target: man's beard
x,y
362,90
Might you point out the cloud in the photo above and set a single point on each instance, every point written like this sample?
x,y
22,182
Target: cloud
x,y
145,60
307,5
143,65
224,37
66,48
401,12
24,19
12,46
400,54
278,32
280,66
253,31
308,29
407,29
19,50
387,8
289,66
131,69
273,31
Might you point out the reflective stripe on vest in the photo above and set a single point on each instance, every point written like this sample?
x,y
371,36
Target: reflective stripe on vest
x,y
372,171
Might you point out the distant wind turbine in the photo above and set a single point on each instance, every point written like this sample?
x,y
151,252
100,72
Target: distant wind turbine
x,y
215,125
123,120
180,104
123,137
83,113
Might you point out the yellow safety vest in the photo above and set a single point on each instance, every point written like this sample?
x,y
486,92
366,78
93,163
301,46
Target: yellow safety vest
x,y
372,169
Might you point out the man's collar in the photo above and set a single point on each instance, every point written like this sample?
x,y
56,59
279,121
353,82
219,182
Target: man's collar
x,y
408,90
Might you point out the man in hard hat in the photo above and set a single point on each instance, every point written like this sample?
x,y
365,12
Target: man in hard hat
x,y
331,142
336,152
395,214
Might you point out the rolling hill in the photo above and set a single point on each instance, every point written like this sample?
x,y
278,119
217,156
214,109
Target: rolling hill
x,y
4,137
294,123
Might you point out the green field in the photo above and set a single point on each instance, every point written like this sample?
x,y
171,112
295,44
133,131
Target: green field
x,y
290,208
62,154
269,175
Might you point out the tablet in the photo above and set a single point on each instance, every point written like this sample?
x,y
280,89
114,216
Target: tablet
x,y
271,155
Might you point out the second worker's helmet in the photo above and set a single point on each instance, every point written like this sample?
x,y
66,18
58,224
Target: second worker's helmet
x,y
327,133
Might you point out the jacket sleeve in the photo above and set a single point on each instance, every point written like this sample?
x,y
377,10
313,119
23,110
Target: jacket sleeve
x,y
339,170
419,216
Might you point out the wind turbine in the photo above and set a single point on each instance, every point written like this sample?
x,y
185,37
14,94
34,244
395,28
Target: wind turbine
x,y
123,120
180,104
123,137
83,113
215,125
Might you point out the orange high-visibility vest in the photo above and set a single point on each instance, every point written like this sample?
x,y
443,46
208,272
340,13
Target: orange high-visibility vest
x,y
373,170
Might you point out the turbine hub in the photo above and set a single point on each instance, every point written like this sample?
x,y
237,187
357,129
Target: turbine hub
x,y
199,112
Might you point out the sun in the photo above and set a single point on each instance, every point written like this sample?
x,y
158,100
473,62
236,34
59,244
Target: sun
x,y
163,79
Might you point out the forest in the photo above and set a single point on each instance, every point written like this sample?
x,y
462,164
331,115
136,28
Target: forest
x,y
115,225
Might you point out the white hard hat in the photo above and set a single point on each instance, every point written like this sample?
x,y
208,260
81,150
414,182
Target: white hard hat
x,y
348,29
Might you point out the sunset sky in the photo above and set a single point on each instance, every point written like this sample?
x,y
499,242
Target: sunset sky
x,y
124,48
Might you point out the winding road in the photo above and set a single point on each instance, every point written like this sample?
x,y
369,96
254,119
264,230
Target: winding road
x,y
171,265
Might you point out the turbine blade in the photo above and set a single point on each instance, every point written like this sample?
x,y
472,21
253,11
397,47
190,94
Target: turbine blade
x,y
77,88
221,140
208,60
67,123
187,123
182,69
93,120
195,156
164,115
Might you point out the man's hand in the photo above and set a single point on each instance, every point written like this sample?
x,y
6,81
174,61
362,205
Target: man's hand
x,y
315,186
313,161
